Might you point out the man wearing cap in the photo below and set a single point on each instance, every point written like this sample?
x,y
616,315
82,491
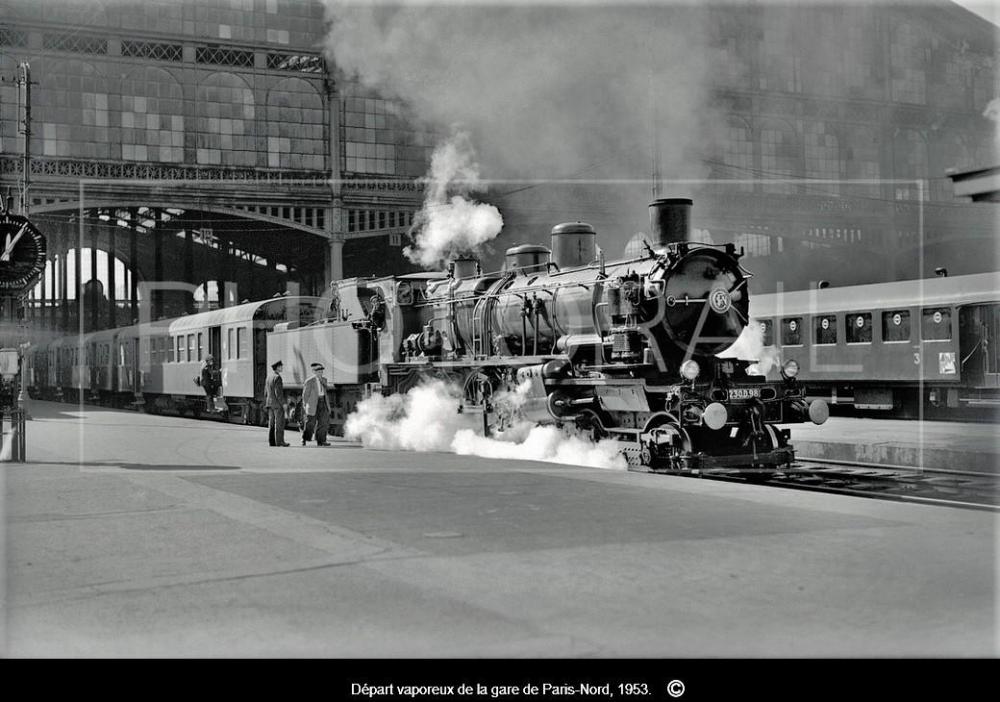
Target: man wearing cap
x,y
210,381
317,408
274,402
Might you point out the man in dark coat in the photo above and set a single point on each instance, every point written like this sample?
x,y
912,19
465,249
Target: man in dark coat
x,y
211,381
274,402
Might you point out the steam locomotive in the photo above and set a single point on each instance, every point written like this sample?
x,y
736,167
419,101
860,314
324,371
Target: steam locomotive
x,y
624,349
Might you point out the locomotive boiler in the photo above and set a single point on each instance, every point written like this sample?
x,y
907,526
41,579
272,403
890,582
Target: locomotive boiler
x,y
623,349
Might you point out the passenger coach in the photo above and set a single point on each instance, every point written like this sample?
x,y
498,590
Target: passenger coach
x,y
891,346
154,365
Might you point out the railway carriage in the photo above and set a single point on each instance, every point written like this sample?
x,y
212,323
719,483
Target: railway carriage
x,y
348,351
236,338
154,365
891,347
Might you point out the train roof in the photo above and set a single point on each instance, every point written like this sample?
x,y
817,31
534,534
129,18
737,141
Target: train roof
x,y
233,315
425,275
159,326
928,292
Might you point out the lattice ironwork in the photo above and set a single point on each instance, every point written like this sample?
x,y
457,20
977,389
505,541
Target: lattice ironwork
x,y
80,168
12,37
224,56
152,50
303,63
75,43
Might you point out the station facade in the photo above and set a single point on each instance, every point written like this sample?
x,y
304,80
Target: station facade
x,y
187,153
210,143
844,122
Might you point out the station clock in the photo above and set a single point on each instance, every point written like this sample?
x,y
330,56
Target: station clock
x,y
22,253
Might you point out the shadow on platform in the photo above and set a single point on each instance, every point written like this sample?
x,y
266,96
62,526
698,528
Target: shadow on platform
x,y
129,466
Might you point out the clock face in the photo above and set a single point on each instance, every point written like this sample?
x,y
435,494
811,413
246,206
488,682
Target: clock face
x,y
22,253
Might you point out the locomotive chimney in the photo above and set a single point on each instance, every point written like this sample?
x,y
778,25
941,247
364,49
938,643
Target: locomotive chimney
x,y
574,244
464,267
670,220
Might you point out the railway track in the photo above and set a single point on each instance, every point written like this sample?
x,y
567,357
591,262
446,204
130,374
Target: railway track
x,y
950,488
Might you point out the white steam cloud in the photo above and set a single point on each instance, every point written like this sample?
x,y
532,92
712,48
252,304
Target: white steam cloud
x,y
749,346
450,223
547,90
427,419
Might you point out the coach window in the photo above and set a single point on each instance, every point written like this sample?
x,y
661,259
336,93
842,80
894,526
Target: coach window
x,y
241,343
180,348
826,329
201,346
936,325
791,331
170,349
190,353
229,344
767,332
859,327
896,326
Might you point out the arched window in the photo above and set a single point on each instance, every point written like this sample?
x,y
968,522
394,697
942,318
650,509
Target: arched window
x,y
225,123
295,126
152,117
779,157
738,155
910,163
823,161
70,110
378,139
862,159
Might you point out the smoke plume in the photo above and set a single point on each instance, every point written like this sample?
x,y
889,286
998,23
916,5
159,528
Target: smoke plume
x,y
427,419
750,346
547,90
449,223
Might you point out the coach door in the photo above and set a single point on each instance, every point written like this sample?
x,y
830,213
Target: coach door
x,y
259,361
215,344
979,334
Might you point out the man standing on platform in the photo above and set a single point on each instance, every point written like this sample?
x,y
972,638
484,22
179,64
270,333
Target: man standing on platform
x,y
274,402
211,381
317,408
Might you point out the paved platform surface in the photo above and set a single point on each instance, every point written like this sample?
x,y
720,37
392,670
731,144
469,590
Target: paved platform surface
x,y
913,443
138,535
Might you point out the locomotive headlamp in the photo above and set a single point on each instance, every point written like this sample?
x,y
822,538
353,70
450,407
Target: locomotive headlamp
x,y
690,370
790,369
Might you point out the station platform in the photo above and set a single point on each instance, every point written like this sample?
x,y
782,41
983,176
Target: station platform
x,y
906,443
135,535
